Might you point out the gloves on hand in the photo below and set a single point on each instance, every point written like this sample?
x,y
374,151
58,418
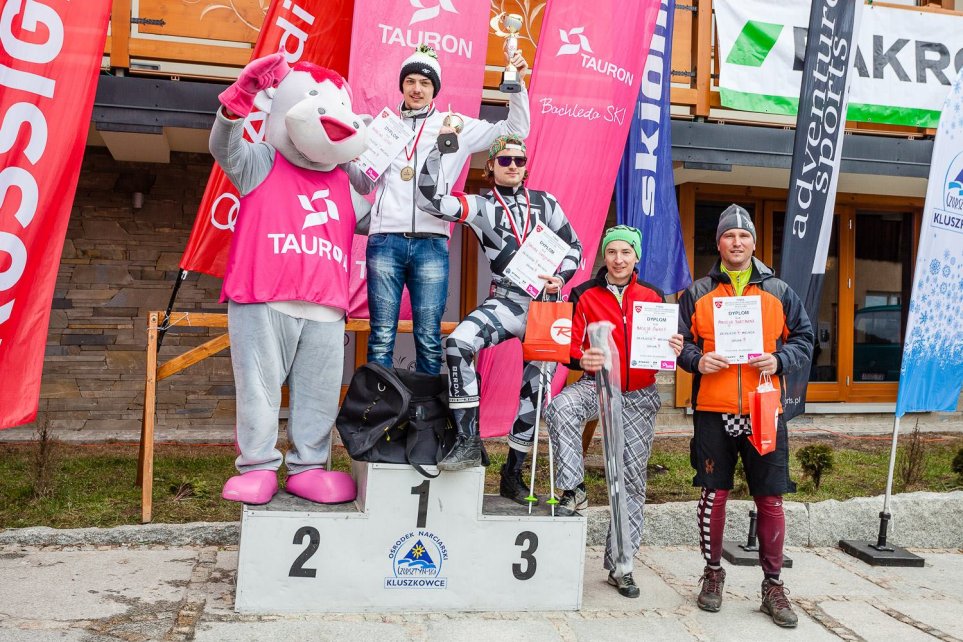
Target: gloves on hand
x,y
258,75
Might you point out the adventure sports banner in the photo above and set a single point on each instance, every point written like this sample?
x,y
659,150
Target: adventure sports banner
x,y
587,73
931,375
311,30
50,55
383,35
645,188
817,151
905,60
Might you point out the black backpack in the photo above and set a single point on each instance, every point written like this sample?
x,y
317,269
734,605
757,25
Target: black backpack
x,y
396,417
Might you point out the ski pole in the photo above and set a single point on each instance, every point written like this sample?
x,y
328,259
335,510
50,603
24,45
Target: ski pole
x,y
531,499
551,455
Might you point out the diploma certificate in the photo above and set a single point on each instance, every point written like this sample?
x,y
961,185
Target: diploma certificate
x,y
387,136
652,325
737,322
541,253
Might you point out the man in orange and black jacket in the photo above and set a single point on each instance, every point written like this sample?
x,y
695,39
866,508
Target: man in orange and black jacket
x,y
720,400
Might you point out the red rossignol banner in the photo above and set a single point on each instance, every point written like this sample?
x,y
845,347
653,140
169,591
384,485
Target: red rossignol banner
x,y
383,35
311,30
588,69
50,54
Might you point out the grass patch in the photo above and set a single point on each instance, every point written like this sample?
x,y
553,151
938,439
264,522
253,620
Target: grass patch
x,y
94,485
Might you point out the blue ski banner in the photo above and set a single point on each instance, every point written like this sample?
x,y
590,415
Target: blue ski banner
x,y
644,187
931,375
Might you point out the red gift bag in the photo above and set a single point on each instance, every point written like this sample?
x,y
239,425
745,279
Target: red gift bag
x,y
764,415
548,332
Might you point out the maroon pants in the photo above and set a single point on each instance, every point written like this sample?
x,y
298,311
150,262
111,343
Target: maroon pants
x,y
771,528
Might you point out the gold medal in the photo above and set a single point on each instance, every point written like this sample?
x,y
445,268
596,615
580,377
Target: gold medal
x,y
407,173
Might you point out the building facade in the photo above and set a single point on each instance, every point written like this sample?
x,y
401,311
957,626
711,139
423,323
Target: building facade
x,y
147,164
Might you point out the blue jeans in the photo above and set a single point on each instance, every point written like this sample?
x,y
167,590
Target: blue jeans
x,y
422,264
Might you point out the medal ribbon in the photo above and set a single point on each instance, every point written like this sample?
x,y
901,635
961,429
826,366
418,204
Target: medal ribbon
x,y
418,137
511,219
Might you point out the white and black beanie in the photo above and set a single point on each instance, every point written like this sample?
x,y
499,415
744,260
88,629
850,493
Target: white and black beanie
x,y
425,62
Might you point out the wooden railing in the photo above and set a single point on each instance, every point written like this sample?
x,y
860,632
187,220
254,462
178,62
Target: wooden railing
x,y
213,39
159,371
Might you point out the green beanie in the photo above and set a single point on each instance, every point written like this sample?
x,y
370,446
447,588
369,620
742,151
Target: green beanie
x,y
626,233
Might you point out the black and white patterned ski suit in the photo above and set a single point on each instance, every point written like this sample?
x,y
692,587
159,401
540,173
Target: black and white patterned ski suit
x,y
503,314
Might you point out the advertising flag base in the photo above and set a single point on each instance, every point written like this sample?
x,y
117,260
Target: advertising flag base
x,y
745,555
874,555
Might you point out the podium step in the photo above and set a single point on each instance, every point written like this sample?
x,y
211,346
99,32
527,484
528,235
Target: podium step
x,y
409,544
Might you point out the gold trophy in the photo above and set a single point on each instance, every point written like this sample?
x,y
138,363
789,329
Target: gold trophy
x,y
448,142
507,25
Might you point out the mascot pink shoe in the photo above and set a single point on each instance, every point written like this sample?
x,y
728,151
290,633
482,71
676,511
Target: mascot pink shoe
x,y
323,486
254,487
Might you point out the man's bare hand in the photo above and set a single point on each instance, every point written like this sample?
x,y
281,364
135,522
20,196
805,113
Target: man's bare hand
x,y
767,363
592,360
712,362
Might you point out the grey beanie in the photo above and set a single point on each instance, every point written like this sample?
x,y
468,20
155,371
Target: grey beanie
x,y
735,217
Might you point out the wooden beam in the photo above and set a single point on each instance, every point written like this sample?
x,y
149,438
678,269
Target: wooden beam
x,y
703,65
197,319
120,34
194,355
145,469
190,53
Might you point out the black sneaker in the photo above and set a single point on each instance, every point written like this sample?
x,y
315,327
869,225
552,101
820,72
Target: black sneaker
x,y
625,584
465,454
572,501
513,487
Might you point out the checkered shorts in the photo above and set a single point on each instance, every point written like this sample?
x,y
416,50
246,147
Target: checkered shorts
x,y
736,425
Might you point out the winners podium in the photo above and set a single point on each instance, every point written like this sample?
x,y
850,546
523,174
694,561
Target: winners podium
x,y
409,544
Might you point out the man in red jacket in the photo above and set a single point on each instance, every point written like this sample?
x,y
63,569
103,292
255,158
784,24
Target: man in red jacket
x,y
609,297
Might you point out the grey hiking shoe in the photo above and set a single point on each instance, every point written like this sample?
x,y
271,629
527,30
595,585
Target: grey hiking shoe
x,y
713,581
625,584
571,501
776,604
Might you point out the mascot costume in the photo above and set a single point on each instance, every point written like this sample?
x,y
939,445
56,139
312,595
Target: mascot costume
x,y
286,281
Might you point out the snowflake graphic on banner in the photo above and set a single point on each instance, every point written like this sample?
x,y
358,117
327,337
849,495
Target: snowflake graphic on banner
x,y
931,374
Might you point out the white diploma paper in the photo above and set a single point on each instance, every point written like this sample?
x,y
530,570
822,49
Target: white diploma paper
x,y
387,136
541,253
652,325
738,327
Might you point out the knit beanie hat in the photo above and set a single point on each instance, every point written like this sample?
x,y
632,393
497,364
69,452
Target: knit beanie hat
x,y
735,218
626,233
425,62
508,141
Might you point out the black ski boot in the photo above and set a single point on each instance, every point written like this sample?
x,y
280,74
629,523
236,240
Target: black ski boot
x,y
467,451
512,484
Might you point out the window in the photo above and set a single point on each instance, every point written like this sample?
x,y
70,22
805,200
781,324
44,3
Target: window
x,y
868,280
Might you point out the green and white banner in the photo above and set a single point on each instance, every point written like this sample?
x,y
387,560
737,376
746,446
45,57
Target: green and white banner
x,y
905,60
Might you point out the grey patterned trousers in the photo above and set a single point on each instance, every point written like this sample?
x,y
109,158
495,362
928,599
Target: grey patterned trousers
x,y
567,415
499,318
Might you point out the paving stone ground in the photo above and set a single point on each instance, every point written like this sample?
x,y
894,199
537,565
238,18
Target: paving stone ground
x,y
160,592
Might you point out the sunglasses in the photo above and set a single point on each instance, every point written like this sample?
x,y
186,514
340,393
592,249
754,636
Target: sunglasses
x,y
506,161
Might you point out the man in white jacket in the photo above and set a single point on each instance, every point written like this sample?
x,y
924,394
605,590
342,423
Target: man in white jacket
x,y
406,245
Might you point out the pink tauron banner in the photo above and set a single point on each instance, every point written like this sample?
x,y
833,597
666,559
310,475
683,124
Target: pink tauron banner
x,y
586,77
383,34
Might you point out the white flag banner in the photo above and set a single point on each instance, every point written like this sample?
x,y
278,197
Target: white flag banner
x,y
931,375
905,60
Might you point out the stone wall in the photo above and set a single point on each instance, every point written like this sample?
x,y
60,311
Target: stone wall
x,y
119,263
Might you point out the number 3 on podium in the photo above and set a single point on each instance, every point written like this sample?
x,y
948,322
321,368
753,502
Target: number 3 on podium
x,y
528,539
